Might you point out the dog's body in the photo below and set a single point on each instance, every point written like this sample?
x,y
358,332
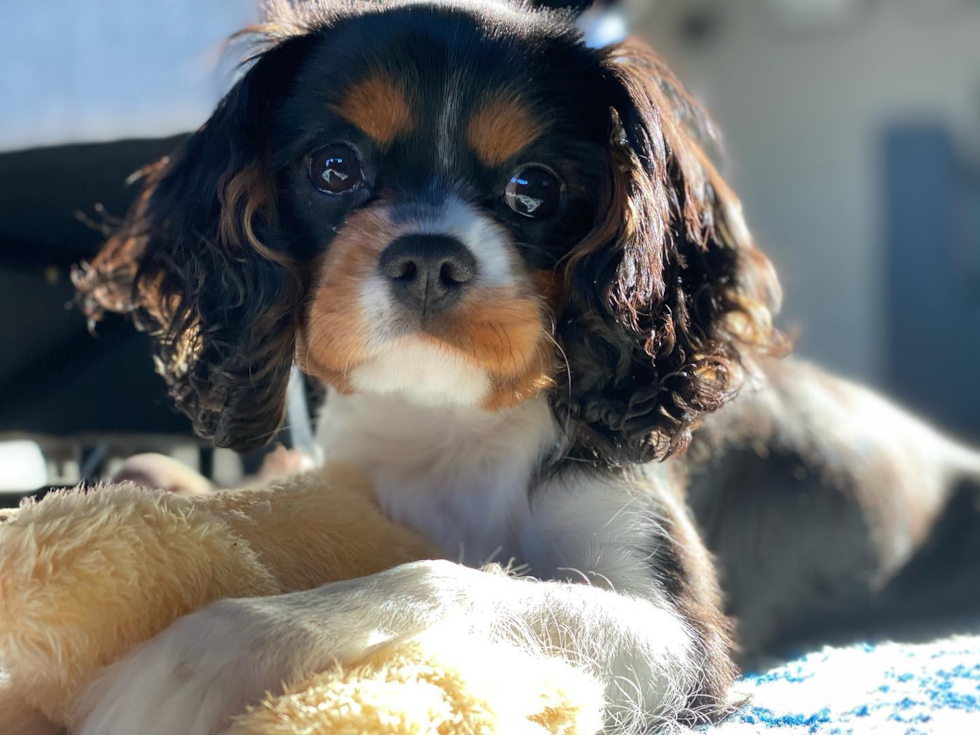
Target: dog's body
x,y
512,261
816,497
828,510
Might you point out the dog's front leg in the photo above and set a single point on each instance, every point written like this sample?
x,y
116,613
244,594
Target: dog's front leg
x,y
211,664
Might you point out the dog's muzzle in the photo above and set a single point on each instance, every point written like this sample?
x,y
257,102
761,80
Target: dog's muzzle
x,y
427,274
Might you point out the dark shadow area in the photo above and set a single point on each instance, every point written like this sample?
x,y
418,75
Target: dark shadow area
x,y
55,377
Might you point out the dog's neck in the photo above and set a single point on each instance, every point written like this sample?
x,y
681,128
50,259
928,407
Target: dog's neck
x,y
458,475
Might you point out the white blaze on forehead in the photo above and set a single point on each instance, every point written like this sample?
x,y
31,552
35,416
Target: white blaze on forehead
x,y
424,373
449,121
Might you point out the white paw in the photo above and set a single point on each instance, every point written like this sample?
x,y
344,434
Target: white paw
x,y
207,666
159,471
282,462
212,664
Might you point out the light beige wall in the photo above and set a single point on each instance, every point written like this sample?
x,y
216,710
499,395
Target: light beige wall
x,y
801,115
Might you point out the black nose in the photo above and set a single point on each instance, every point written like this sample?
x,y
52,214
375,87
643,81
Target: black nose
x,y
427,273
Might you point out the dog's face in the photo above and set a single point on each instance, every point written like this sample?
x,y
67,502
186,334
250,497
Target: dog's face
x,y
460,204
433,185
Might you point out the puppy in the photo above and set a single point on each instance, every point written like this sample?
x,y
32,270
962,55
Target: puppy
x,y
512,261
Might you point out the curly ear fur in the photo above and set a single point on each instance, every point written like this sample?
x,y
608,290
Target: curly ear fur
x,y
200,266
667,296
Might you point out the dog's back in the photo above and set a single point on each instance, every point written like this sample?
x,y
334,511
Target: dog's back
x,y
831,510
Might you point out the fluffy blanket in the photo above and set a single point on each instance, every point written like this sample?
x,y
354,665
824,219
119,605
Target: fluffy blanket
x,y
899,689
890,688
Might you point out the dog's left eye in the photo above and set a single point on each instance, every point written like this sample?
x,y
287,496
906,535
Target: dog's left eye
x,y
336,169
533,191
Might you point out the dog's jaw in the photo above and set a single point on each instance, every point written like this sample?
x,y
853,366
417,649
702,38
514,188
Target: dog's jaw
x,y
422,372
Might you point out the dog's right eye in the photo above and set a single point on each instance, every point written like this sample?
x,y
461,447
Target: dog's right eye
x,y
533,191
336,169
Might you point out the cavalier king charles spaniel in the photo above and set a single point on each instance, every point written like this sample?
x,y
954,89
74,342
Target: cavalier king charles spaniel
x,y
511,259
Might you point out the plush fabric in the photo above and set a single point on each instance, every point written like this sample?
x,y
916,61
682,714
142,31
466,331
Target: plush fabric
x,y
85,576
904,689
895,689
442,682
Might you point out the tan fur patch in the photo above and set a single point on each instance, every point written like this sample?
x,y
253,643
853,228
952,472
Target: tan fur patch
x,y
75,596
332,342
502,333
379,107
501,128
245,196
550,286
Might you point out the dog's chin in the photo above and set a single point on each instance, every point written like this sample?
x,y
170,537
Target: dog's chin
x,y
422,370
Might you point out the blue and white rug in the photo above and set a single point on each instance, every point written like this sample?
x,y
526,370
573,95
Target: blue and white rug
x,y
905,689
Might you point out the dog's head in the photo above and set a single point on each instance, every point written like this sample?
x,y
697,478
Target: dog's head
x,y
460,203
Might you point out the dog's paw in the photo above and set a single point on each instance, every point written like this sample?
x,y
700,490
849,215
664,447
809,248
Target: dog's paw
x,y
282,462
212,664
205,668
157,471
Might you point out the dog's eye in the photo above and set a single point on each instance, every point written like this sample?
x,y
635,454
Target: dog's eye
x,y
336,169
533,191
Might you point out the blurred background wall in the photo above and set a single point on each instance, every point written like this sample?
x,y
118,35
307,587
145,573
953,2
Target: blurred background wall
x,y
852,133
851,127
805,93
101,70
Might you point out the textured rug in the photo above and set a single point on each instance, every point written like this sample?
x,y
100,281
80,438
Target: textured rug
x,y
889,688
897,689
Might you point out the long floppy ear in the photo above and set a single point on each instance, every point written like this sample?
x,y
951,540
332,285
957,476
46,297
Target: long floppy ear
x,y
667,297
199,265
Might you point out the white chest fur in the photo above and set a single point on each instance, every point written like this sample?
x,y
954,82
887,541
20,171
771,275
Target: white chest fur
x,y
458,475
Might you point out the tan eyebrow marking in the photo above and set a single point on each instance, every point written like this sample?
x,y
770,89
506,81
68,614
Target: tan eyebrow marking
x,y
378,106
501,128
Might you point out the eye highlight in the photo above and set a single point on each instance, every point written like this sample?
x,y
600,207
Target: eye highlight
x,y
336,169
533,191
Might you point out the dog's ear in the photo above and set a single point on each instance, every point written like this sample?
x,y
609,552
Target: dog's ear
x,y
199,265
667,296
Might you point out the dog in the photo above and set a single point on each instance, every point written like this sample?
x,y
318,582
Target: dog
x,y
546,333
